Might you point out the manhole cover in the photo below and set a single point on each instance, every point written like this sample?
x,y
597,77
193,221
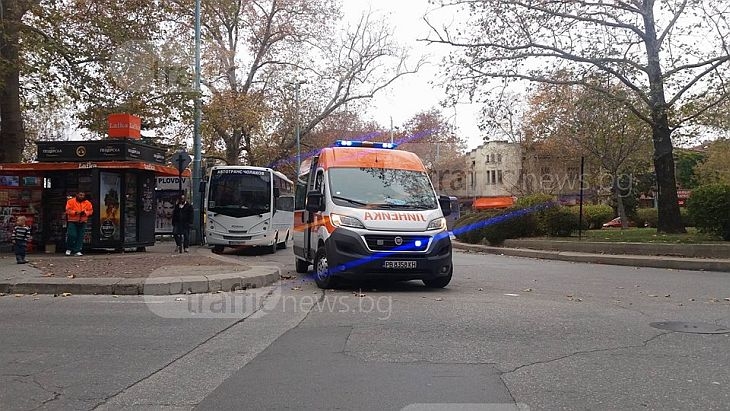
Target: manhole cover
x,y
694,328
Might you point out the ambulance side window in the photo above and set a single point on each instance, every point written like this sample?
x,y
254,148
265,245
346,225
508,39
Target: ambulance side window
x,y
319,181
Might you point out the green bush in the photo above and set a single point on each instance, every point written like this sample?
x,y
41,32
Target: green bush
x,y
533,200
596,215
542,202
575,210
647,217
560,221
470,235
510,223
687,219
709,207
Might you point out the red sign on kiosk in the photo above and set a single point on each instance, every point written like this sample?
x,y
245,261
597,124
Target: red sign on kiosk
x,y
122,125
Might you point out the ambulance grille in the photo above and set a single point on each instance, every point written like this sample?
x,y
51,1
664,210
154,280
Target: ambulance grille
x,y
397,243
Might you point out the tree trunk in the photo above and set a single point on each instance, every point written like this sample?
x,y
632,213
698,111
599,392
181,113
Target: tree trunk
x,y
620,202
670,220
233,148
232,152
12,135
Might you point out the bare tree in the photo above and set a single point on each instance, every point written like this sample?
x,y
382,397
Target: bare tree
x,y
256,49
668,53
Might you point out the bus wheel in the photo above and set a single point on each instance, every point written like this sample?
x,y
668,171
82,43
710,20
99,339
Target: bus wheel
x,y
282,246
322,273
217,249
272,248
301,265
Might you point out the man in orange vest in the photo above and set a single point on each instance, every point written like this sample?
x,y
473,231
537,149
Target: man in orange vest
x,y
78,211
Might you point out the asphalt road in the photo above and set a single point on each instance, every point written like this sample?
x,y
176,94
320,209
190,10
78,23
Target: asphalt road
x,y
508,333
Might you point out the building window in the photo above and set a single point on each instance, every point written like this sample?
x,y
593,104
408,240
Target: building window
x,y
487,162
494,177
499,158
499,177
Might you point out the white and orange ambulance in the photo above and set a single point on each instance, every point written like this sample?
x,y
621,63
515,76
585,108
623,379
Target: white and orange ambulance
x,y
366,211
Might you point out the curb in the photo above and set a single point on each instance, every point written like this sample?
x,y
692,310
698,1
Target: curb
x,y
256,277
701,250
676,263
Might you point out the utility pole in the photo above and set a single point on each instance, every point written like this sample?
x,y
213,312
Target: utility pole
x,y
197,232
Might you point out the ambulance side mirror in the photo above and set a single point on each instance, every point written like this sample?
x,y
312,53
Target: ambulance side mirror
x,y
315,202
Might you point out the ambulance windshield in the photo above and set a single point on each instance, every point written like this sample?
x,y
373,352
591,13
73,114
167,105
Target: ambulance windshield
x,y
381,188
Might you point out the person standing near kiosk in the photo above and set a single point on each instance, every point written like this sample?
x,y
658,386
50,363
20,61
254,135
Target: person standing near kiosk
x,y
78,211
182,219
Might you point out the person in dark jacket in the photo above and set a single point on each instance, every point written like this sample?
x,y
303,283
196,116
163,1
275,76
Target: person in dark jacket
x,y
182,219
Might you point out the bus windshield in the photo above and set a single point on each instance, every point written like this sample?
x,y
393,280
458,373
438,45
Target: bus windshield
x,y
239,192
381,188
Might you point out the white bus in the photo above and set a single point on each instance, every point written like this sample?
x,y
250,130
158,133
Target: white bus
x,y
248,206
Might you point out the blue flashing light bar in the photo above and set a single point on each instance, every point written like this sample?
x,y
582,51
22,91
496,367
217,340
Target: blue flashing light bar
x,y
369,144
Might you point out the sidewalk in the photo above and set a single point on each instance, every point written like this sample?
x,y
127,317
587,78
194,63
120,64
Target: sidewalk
x,y
157,271
633,260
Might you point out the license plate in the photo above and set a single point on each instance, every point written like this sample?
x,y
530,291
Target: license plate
x,y
399,264
237,242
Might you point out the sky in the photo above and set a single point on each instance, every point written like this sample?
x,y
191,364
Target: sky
x,y
418,92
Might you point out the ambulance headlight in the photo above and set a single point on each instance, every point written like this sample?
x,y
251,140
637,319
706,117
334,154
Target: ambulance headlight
x,y
339,220
437,224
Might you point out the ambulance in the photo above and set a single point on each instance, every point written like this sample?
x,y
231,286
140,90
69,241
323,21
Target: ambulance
x,y
367,211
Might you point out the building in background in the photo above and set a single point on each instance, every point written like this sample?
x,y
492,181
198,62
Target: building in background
x,y
501,171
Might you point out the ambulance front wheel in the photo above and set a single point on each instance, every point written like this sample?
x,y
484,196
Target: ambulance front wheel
x,y
217,249
322,274
439,282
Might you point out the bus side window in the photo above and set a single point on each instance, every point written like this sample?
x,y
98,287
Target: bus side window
x,y
285,203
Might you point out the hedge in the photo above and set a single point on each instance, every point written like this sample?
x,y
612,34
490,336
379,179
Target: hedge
x,y
647,217
596,215
709,207
560,222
